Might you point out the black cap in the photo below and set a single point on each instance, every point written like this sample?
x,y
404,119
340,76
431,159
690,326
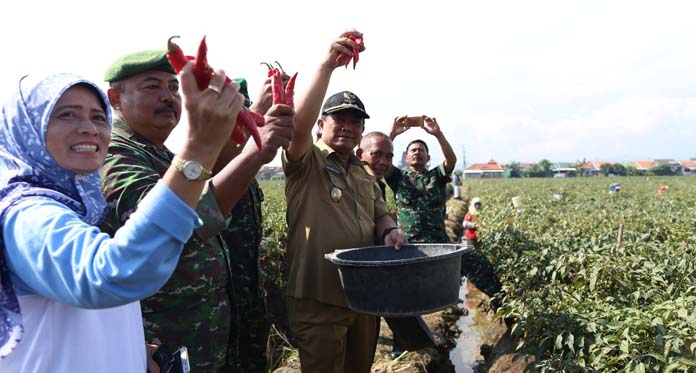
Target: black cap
x,y
345,100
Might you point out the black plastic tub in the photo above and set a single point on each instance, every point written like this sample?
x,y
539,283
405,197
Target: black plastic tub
x,y
416,280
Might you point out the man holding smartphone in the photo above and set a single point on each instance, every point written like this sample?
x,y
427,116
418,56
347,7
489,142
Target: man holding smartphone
x,y
420,193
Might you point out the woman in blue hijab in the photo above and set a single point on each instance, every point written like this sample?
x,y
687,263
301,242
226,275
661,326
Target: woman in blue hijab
x,y
68,292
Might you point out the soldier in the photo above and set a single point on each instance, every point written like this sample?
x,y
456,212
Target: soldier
x,y
420,193
193,308
243,234
250,326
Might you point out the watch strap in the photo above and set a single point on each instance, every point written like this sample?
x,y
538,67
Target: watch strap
x,y
180,163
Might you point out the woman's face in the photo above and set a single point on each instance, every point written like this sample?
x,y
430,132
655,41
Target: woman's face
x,y
77,136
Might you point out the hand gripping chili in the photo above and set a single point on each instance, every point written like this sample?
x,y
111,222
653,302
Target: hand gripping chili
x,y
357,38
281,96
203,73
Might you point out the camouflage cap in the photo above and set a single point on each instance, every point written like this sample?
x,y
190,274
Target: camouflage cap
x,y
138,62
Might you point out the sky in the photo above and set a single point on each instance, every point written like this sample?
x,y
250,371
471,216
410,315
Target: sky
x,y
507,80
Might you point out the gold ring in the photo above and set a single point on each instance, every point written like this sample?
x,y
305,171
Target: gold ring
x,y
215,89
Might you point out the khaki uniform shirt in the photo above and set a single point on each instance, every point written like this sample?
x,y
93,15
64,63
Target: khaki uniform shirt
x,y
318,225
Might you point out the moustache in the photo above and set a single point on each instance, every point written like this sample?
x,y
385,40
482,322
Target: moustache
x,y
166,108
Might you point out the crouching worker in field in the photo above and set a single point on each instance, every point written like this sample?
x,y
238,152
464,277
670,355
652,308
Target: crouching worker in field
x,y
475,266
69,295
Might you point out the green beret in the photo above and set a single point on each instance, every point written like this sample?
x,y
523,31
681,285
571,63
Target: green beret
x,y
242,86
138,62
244,91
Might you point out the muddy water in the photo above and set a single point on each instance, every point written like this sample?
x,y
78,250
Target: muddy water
x,y
466,354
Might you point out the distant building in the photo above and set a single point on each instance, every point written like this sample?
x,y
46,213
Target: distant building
x,y
644,165
689,167
597,167
490,170
676,167
525,166
587,168
564,169
522,165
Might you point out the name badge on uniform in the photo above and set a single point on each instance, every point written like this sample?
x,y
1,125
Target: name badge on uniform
x,y
336,194
332,168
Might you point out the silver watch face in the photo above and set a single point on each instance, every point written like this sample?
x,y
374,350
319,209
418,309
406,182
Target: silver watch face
x,y
192,170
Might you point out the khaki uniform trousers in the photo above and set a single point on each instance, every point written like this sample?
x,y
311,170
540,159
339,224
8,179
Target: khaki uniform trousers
x,y
332,338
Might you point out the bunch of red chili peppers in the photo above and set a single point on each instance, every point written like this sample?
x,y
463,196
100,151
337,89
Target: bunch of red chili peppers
x,y
281,96
357,38
203,73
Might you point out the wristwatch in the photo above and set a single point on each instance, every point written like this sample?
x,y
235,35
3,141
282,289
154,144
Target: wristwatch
x,y
387,231
192,170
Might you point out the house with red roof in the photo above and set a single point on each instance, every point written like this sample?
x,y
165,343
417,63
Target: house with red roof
x,y
644,165
689,167
489,170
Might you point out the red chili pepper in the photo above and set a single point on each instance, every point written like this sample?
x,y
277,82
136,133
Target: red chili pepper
x,y
281,96
356,50
290,91
271,69
203,73
356,53
277,87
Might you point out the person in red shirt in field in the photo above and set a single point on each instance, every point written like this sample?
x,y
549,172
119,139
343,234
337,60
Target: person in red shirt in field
x,y
470,222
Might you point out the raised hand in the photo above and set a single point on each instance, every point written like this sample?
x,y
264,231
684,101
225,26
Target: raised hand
x,y
398,127
265,99
347,46
212,112
431,126
277,132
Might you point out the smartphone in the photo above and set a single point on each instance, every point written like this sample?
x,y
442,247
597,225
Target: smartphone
x,y
177,362
181,359
414,122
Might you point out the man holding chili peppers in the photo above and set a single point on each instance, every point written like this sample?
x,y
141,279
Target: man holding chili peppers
x,y
194,307
333,203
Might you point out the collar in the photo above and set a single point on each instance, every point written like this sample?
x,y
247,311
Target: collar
x,y
368,169
410,171
327,152
121,128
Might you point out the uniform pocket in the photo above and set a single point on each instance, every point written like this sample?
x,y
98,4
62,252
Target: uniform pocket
x,y
367,197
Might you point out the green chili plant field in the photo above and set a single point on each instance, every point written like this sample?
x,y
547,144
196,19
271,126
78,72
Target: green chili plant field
x,y
592,281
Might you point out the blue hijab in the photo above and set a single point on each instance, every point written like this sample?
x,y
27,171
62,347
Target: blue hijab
x,y
27,170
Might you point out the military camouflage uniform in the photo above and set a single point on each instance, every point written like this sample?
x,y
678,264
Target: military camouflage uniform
x,y
193,307
250,326
420,202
